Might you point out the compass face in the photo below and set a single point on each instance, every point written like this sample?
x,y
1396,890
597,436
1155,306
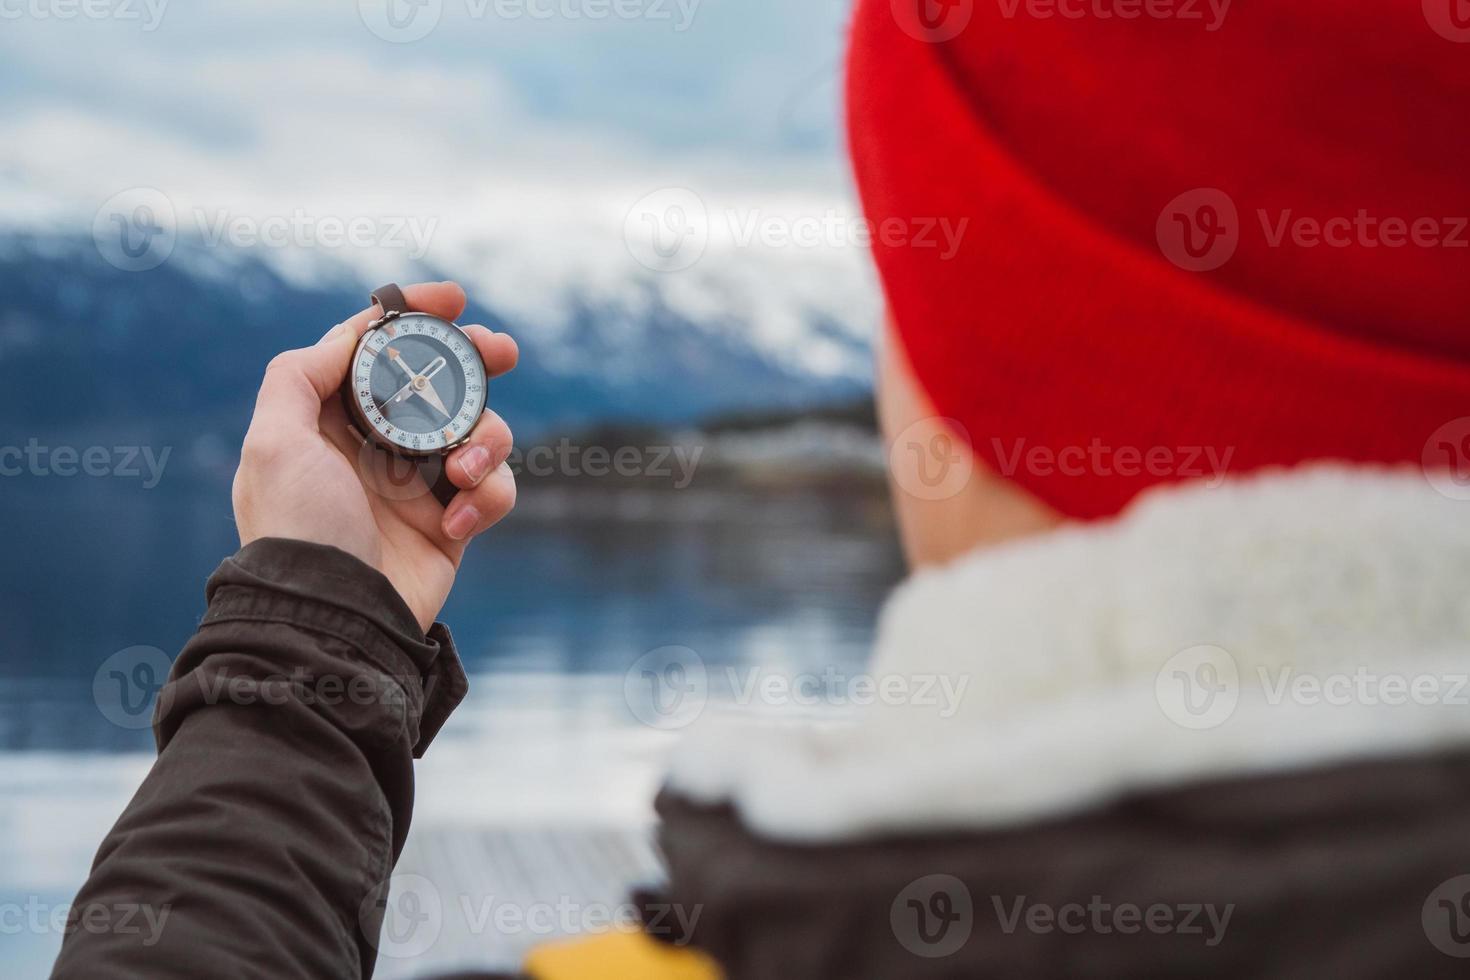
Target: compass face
x,y
418,383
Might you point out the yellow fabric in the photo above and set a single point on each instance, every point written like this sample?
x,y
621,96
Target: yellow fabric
x,y
619,956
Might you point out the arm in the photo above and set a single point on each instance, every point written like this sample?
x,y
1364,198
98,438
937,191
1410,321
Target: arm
x,y
261,840
284,781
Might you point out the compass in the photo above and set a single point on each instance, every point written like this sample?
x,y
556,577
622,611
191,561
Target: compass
x,y
416,387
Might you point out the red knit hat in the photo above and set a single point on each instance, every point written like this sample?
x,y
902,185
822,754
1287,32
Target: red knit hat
x,y
1191,230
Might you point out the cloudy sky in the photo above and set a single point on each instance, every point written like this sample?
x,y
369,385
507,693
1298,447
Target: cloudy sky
x,y
519,135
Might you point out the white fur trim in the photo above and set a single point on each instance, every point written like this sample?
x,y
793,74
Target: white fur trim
x,y
1338,574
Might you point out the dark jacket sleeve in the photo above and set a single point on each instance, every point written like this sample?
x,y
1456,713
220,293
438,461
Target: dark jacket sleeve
x,y
261,842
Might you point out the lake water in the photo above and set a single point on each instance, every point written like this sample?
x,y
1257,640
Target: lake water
x,y
550,612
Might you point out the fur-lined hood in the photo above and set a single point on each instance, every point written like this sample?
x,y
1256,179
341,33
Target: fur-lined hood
x,y
1283,620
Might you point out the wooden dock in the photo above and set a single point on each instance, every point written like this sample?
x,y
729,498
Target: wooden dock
x,y
479,898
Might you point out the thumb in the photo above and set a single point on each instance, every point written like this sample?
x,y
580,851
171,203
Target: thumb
x,y
297,382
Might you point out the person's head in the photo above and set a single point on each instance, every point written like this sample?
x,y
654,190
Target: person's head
x,y
1120,252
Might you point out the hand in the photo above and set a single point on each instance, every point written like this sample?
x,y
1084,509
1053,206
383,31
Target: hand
x,y
302,473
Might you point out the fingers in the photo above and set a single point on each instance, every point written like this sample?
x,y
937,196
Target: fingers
x,y
497,350
488,446
480,507
297,382
487,486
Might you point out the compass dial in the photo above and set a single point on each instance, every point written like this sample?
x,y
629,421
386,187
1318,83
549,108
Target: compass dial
x,y
418,384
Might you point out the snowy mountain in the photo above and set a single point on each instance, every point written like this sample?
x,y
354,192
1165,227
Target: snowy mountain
x,y
97,352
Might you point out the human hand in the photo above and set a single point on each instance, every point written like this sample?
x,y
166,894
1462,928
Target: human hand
x,y
304,475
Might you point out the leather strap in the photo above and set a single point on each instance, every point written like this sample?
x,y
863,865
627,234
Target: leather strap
x,y
390,299
435,473
433,470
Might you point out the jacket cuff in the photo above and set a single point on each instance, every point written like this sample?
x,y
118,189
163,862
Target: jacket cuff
x,y
324,589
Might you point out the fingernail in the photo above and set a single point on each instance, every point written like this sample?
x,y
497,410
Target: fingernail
x,y
476,462
462,522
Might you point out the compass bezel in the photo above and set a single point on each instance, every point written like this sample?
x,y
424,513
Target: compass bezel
x,y
357,413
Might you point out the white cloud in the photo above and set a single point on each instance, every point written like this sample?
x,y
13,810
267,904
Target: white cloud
x,y
526,205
